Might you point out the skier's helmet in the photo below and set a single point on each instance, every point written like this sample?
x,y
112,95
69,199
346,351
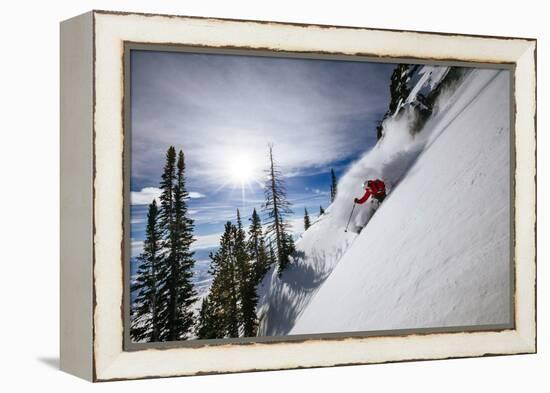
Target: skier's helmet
x,y
367,183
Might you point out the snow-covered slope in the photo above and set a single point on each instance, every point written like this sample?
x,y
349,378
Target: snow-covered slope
x,y
284,297
436,253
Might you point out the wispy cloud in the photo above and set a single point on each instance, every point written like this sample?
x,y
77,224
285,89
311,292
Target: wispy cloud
x,y
222,110
218,108
317,191
200,243
196,195
146,195
206,241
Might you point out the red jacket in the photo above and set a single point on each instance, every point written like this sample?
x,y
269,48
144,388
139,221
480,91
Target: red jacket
x,y
376,188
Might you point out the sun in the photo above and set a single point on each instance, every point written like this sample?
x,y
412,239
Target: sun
x,y
241,170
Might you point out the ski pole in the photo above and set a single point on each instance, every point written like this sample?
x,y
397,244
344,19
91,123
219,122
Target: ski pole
x,y
349,219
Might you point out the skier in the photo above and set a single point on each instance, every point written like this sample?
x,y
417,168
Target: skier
x,y
376,188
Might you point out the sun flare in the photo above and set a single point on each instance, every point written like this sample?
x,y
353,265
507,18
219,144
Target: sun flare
x,y
241,170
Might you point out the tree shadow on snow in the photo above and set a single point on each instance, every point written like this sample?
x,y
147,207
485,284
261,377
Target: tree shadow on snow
x,y
296,286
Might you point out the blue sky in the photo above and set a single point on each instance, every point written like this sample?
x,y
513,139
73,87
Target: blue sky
x,y
224,110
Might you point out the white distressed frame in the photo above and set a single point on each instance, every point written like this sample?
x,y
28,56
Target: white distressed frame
x,y
110,31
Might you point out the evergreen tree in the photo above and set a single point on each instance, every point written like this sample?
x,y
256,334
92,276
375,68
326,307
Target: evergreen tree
x,y
206,325
256,247
321,211
145,311
220,312
246,282
333,185
166,224
287,246
277,208
184,238
168,178
228,277
307,223
179,295
272,258
229,310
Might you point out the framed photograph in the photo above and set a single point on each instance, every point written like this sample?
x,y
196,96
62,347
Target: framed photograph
x,y
246,195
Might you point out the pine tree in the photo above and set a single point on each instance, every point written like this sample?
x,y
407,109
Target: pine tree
x,y
145,311
184,255
166,223
166,215
179,295
307,223
230,308
277,208
321,211
220,312
246,282
206,328
333,185
287,246
256,247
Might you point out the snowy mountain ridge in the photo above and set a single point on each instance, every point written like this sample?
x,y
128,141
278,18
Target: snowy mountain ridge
x,y
413,265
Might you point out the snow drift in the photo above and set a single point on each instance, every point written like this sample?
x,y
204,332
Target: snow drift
x,y
436,253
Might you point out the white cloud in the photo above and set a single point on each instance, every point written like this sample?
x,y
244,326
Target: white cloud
x,y
200,243
195,195
206,241
147,194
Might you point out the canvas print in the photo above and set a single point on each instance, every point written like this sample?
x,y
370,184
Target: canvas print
x,y
278,196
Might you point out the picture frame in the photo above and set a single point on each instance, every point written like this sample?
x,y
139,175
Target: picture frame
x,y
94,275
